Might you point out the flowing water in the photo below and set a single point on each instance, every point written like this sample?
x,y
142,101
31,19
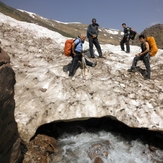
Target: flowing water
x,y
82,144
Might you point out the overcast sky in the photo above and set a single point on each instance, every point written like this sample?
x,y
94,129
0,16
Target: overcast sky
x,y
138,14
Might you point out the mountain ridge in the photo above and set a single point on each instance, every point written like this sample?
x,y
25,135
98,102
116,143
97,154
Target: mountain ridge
x,y
106,36
73,29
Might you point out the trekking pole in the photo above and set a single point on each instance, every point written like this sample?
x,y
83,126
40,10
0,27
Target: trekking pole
x,y
84,66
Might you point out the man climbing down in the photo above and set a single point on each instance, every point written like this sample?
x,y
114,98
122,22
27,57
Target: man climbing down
x,y
77,53
92,33
126,39
144,56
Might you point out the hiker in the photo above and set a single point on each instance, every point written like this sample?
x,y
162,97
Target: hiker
x,y
77,54
144,56
126,38
92,34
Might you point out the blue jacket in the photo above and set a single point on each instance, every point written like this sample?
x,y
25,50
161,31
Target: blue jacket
x,y
79,45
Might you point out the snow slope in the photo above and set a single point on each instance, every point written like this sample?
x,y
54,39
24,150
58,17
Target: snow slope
x,y
44,93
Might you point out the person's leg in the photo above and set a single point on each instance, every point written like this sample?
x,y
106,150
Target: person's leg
x,y
73,65
122,44
88,63
98,47
146,59
134,63
91,46
135,60
127,47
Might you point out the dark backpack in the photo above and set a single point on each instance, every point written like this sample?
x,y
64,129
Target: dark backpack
x,y
132,34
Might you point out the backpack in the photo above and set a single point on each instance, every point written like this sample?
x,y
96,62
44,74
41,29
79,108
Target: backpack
x,y
132,34
152,45
68,47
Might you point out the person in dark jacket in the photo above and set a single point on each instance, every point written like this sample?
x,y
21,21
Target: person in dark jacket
x,y
93,38
77,54
126,38
144,56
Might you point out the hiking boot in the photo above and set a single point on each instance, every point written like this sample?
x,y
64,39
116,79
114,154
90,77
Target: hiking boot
x,y
146,77
132,70
101,56
127,52
94,64
70,75
93,56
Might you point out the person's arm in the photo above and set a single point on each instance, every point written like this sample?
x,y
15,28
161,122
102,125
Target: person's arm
x,y
97,31
89,30
73,49
146,51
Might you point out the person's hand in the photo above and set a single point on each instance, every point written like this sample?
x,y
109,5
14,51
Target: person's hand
x,y
74,53
139,54
83,54
94,36
127,39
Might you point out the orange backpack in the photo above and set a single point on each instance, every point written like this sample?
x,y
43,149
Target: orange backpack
x,y
152,45
68,47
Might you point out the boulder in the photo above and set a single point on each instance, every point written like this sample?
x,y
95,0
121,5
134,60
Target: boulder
x,y
40,149
10,151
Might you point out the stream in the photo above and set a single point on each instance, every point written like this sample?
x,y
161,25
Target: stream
x,y
107,139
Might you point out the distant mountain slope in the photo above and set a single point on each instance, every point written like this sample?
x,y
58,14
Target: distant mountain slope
x,y
157,32
111,36
106,36
25,16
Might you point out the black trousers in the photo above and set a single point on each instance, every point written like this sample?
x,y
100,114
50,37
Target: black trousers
x,y
123,41
97,45
145,59
75,60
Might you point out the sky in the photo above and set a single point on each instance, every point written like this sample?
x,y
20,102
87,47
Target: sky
x,y
138,14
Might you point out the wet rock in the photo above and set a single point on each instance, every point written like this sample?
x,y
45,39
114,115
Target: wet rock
x,y
40,149
99,150
152,148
